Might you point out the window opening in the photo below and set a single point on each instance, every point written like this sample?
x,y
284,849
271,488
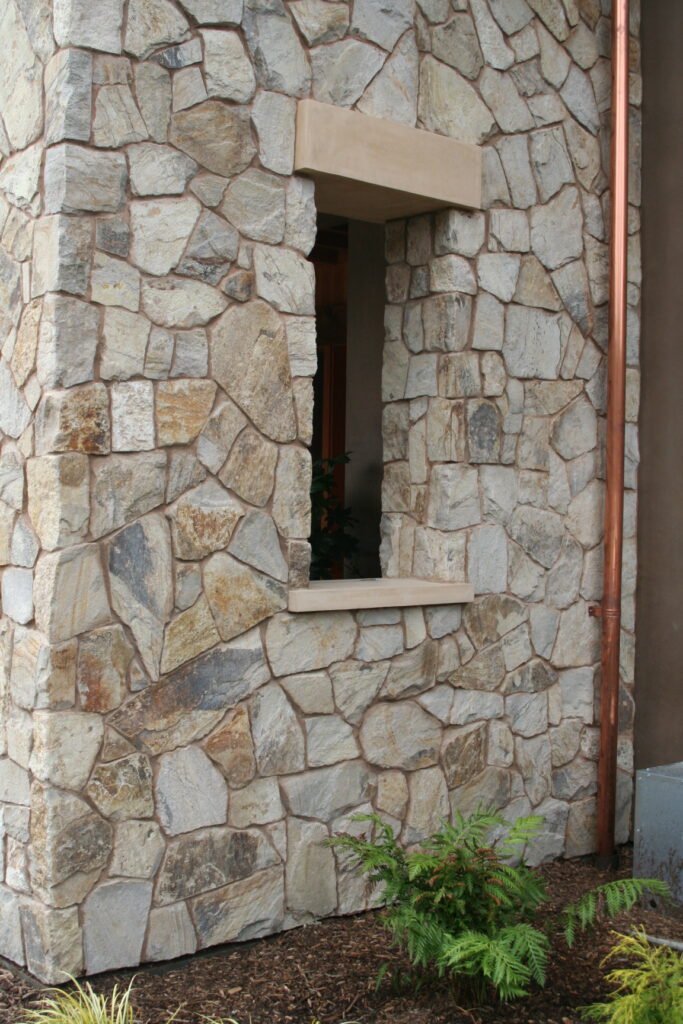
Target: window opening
x,y
349,266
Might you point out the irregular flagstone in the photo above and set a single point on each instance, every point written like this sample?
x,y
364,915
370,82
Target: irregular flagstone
x,y
104,657
158,170
191,633
256,804
190,792
393,93
153,23
456,43
215,135
400,735
170,933
153,90
228,71
114,922
124,487
489,789
243,910
250,359
256,542
70,844
141,584
231,746
255,204
20,81
412,672
117,118
203,520
191,701
238,596
329,739
463,753
182,409
218,435
356,685
284,279
138,847
484,672
65,745
280,59
210,858
303,642
79,179
213,244
342,70
278,738
539,532
52,940
161,228
532,343
489,619
324,793
250,469
178,302
448,104
69,593
123,788
320,22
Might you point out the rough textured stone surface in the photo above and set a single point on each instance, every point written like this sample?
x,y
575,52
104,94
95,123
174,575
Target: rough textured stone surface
x,y
211,858
114,921
216,136
238,596
139,562
190,792
123,788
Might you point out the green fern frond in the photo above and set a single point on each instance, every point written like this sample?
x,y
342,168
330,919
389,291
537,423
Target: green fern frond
x,y
611,898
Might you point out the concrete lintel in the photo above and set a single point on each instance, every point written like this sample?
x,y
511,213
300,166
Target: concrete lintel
x,y
370,169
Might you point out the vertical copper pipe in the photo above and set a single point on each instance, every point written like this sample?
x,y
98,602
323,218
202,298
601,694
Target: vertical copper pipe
x,y
614,496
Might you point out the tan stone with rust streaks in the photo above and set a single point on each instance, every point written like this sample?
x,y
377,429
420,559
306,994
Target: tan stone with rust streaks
x,y
74,420
103,660
240,597
182,409
250,469
215,135
191,633
231,746
58,498
250,360
203,520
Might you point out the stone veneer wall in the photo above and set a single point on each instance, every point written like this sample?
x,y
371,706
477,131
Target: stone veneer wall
x,y
174,744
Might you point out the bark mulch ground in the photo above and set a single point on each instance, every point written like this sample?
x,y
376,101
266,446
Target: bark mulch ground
x,y
326,972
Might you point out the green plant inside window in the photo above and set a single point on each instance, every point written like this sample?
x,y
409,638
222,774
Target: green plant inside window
x,y
469,908
333,544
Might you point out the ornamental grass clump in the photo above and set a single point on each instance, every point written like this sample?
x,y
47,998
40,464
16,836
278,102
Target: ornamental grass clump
x,y
649,991
468,907
80,1004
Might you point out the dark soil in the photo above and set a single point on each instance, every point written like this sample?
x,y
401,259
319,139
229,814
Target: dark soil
x,y
326,972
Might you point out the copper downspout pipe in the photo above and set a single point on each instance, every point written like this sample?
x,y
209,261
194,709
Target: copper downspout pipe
x,y
610,610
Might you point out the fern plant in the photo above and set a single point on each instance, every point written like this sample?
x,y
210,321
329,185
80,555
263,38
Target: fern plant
x,y
650,991
459,906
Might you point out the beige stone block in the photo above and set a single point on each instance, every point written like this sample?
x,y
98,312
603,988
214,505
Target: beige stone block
x,y
231,746
182,409
59,498
74,420
189,634
104,657
250,469
65,745
69,593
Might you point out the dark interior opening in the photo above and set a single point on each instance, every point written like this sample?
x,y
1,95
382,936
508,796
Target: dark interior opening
x,y
347,418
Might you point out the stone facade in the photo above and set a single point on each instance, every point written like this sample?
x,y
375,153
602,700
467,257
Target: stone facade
x,y
174,743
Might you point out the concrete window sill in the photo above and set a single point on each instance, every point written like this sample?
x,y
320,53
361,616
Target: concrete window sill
x,y
350,595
